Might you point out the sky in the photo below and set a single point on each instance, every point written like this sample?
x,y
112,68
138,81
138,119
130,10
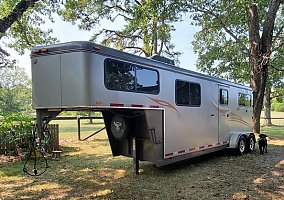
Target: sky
x,y
66,32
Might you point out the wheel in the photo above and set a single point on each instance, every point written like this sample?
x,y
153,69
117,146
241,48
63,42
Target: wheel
x,y
250,143
119,128
241,145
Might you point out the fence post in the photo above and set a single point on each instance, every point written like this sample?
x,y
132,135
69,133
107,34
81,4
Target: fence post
x,y
79,128
54,137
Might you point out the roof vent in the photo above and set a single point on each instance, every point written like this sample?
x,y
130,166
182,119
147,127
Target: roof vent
x,y
163,59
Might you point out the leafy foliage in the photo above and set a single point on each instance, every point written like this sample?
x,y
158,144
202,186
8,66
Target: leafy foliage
x,y
15,131
15,91
24,20
147,23
240,41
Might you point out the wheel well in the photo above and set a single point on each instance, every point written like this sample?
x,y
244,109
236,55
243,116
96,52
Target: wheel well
x,y
234,140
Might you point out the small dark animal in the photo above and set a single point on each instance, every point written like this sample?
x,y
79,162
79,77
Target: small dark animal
x,y
262,143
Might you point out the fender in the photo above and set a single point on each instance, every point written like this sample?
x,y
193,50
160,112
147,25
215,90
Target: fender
x,y
235,139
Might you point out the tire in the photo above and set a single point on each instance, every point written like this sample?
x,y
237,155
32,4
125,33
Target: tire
x,y
250,143
119,128
241,146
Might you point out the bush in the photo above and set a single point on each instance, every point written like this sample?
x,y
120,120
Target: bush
x,y
279,107
15,131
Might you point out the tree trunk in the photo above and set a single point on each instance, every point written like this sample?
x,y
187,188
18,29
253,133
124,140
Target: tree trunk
x,y
267,107
259,54
259,81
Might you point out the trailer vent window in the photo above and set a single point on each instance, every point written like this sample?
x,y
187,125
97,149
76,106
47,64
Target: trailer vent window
x,y
123,76
244,100
188,94
224,98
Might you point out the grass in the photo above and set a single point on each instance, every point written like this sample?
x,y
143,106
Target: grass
x,y
276,122
277,130
87,170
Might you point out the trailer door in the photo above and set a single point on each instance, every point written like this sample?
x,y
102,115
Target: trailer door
x,y
223,114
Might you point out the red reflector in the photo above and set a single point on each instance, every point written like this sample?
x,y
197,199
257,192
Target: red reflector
x,y
181,151
169,154
99,102
202,147
192,149
44,50
136,105
117,104
36,51
151,106
210,145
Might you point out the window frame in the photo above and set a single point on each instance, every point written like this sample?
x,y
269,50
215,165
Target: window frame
x,y
135,81
220,94
189,82
247,95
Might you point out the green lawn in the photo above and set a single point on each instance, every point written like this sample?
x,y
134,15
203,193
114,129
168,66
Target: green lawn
x,y
277,130
87,170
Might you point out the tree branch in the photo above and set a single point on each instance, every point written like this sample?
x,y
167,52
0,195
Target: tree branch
x,y
278,34
2,51
117,33
17,12
139,48
223,25
278,47
277,69
124,16
24,32
138,3
266,38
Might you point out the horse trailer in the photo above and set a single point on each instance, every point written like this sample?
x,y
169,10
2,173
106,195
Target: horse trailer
x,y
153,111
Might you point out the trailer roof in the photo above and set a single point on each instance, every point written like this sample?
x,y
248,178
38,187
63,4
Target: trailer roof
x,y
87,46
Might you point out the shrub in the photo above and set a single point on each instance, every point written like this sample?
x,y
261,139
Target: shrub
x,y
15,131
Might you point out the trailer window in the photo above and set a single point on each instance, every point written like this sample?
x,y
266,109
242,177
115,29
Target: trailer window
x,y
147,80
129,77
187,94
119,76
244,100
224,98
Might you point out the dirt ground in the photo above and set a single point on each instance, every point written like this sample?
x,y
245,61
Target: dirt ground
x,y
87,170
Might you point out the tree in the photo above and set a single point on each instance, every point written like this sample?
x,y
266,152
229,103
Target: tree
x,y
274,89
147,23
20,22
239,39
15,91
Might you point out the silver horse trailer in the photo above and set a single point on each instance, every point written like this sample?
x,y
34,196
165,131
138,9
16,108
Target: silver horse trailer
x,y
153,111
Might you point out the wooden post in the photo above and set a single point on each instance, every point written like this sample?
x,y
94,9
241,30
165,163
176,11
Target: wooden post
x,y
135,156
79,128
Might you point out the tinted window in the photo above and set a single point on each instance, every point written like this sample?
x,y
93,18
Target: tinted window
x,y
147,80
182,93
195,97
129,77
187,94
244,99
224,98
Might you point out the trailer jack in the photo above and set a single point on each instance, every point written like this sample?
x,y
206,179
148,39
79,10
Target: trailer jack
x,y
37,151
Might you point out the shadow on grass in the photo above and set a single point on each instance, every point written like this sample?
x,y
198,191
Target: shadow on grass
x,y
214,176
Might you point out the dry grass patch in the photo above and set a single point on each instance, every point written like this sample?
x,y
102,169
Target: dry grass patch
x,y
87,170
